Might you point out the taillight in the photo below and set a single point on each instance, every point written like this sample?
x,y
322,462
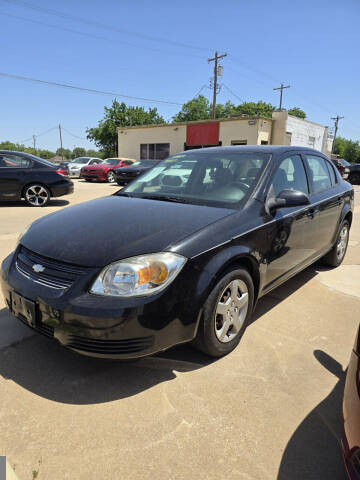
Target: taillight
x,y
62,172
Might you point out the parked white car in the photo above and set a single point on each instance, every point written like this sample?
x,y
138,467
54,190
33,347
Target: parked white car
x,y
76,165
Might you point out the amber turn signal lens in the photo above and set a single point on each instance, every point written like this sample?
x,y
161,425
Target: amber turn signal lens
x,y
158,273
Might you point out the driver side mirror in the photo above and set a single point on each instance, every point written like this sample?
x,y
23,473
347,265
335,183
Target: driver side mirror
x,y
286,199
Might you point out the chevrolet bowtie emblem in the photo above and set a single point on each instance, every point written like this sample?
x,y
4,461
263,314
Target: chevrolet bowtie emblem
x,y
38,268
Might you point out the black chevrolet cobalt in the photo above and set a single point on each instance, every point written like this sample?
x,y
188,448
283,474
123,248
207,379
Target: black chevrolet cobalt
x,y
181,254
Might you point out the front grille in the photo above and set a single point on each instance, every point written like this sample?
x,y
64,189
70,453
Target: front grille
x,y
42,328
131,345
57,275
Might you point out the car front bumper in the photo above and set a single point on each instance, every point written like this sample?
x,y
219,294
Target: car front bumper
x,y
351,412
100,326
98,176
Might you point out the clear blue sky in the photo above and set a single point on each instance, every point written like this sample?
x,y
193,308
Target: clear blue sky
x,y
311,44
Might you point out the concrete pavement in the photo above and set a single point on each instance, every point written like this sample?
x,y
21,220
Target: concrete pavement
x,y
269,410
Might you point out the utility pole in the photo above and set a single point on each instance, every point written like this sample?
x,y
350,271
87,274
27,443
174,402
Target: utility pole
x,y
215,59
336,120
34,141
61,144
281,88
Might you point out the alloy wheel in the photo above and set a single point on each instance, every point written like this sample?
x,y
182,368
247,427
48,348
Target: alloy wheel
x,y
37,195
231,310
111,177
342,242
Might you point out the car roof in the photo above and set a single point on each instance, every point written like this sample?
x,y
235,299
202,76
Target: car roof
x,y
278,149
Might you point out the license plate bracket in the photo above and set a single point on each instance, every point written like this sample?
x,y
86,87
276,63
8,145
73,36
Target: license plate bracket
x,y
23,307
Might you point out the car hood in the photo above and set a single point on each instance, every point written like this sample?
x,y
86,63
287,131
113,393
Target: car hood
x,y
102,231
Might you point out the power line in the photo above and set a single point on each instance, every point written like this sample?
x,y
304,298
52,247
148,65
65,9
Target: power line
x,y
72,134
201,89
233,93
38,135
83,89
97,37
102,25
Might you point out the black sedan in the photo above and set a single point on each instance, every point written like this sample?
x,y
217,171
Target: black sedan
x,y
163,262
125,175
26,176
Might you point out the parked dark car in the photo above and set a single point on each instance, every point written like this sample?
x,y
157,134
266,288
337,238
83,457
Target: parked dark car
x,y
342,166
354,172
161,263
351,411
125,175
36,180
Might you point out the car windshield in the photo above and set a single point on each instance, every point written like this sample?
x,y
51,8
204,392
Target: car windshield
x,y
111,161
221,178
145,163
345,163
80,160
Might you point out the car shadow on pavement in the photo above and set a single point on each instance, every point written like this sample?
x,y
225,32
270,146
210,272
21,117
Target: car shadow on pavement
x,y
314,450
281,293
21,203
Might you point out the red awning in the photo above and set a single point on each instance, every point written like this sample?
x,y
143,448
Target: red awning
x,y
202,134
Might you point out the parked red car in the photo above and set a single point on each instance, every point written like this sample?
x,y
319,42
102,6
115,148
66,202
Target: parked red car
x,y
104,172
351,411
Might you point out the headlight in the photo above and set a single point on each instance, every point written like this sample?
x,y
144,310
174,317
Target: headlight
x,y
137,276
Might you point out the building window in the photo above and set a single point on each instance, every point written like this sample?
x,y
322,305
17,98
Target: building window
x,y
312,141
154,151
238,142
288,138
264,142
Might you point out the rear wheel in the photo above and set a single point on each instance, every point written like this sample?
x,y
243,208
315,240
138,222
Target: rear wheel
x,y
336,255
226,314
36,195
110,177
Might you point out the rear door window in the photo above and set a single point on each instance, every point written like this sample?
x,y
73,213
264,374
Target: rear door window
x,y
290,175
319,173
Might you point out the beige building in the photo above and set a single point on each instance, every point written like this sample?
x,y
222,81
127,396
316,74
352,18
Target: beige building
x,y
160,141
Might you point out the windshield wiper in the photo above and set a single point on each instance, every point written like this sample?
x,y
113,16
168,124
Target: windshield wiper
x,y
165,198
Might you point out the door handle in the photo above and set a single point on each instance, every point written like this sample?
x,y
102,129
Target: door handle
x,y
311,213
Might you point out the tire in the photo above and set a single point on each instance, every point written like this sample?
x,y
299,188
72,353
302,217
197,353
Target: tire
x,y
36,195
110,177
354,178
336,255
218,332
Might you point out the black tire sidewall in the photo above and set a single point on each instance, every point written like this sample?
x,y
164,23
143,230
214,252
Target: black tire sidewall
x,y
34,185
209,342
331,258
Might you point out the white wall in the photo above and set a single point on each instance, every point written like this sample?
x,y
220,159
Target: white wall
x,y
301,130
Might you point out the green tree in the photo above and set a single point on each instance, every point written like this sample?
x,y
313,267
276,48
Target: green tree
x,y
198,108
297,112
47,154
348,149
120,115
94,153
78,152
259,108
339,146
64,152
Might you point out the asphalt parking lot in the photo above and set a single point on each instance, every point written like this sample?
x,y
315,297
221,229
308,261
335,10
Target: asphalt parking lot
x,y
272,409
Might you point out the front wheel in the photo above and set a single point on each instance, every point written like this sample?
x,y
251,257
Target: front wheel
x,y
110,177
36,195
226,313
336,255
